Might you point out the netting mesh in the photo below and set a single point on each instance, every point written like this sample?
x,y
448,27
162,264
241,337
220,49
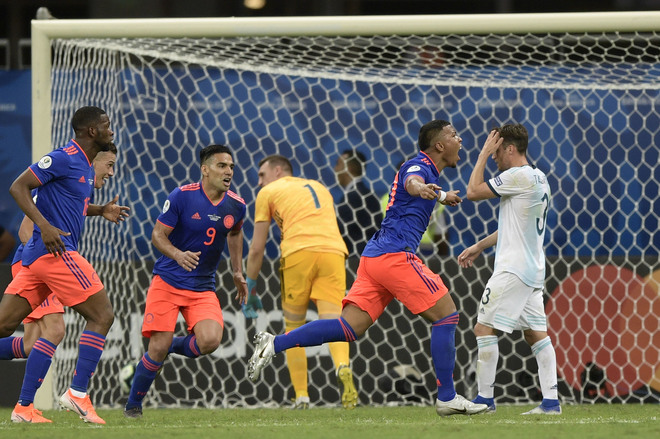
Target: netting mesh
x,y
590,102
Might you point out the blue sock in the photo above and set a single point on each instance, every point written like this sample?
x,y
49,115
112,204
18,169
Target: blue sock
x,y
36,368
185,346
145,374
315,333
90,349
443,352
11,347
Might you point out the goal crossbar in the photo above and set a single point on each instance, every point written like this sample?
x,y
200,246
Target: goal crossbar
x,y
43,31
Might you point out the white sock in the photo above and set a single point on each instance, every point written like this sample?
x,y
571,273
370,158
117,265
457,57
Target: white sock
x,y
547,362
78,394
488,355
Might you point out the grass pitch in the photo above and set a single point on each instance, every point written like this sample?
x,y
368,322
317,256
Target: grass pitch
x,y
577,421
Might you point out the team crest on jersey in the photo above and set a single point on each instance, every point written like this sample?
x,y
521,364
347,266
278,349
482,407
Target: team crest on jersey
x,y
45,162
166,206
229,221
214,217
413,169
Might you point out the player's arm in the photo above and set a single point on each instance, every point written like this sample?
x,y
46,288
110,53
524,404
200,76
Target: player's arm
x,y
257,248
110,211
25,230
254,262
477,188
235,246
467,256
21,191
160,239
416,187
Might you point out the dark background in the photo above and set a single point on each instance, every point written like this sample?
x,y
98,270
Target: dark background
x,y
16,14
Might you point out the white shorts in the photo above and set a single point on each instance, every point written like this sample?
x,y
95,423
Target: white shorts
x,y
509,304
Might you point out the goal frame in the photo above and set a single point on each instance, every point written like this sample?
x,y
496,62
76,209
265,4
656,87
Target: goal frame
x,y
44,31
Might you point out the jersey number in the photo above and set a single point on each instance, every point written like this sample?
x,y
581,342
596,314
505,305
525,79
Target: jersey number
x,y
486,297
210,232
540,222
316,199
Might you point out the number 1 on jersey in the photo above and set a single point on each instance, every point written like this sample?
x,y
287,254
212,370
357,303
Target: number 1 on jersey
x,y
316,199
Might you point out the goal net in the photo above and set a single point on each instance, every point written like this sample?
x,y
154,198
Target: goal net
x,y
589,98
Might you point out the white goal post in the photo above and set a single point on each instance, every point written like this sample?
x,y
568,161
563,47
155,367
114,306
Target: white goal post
x,y
586,85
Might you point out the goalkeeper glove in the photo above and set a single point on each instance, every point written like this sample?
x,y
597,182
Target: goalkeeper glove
x,y
253,302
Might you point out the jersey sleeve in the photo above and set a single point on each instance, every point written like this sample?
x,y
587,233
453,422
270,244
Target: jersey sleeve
x,y
169,216
239,223
505,184
53,165
262,207
409,169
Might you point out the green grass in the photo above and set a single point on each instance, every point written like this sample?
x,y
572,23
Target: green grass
x,y
577,421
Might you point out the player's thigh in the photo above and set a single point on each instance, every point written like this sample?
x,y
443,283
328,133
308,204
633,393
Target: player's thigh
x,y
51,305
203,307
209,334
367,294
533,316
296,273
503,301
72,279
409,280
162,308
329,284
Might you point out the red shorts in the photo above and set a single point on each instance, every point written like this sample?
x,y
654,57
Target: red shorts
x,y
164,302
69,276
402,276
49,306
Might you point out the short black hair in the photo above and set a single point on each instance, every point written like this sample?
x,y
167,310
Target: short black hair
x,y
112,148
210,150
85,117
428,133
277,160
514,134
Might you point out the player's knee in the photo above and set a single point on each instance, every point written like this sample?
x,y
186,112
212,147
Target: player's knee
x,y
54,332
208,344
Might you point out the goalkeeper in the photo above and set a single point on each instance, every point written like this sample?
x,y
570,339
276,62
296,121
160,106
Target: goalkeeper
x,y
390,269
312,266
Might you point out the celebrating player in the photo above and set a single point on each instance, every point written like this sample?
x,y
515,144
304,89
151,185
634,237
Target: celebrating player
x,y
190,232
313,263
47,320
390,269
51,262
513,298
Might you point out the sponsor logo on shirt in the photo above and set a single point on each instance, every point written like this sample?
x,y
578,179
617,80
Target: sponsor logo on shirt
x,y
196,216
214,217
82,179
413,169
166,206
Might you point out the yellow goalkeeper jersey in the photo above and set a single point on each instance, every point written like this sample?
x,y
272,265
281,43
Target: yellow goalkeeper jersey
x,y
305,213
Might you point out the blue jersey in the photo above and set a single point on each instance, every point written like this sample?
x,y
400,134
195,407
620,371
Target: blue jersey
x,y
198,225
18,255
67,183
407,217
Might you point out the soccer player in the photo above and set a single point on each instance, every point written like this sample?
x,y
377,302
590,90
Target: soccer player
x,y
390,269
312,265
51,262
190,232
47,320
513,298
